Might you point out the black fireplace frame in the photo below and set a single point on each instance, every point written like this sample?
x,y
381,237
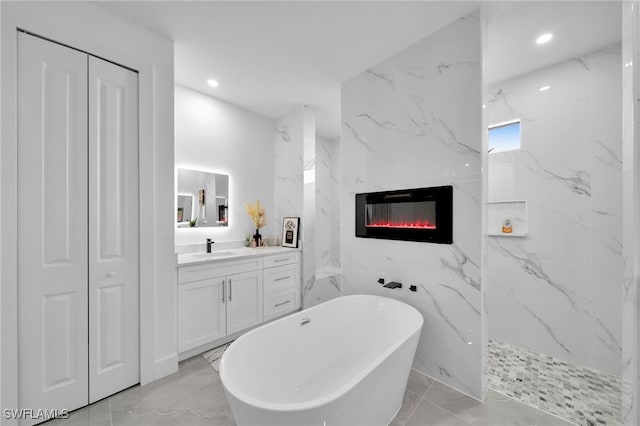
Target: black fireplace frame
x,y
442,195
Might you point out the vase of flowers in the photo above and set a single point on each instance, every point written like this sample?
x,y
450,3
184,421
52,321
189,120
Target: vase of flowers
x,y
258,217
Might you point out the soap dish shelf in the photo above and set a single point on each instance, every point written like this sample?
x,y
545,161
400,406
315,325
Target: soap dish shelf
x,y
497,211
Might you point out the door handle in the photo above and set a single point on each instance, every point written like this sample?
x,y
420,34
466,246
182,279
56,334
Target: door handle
x,y
230,290
224,290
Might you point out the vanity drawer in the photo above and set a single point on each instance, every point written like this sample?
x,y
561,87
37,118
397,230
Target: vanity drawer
x,y
281,259
281,303
216,269
281,278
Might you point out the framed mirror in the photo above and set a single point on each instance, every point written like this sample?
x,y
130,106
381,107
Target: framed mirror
x,y
202,199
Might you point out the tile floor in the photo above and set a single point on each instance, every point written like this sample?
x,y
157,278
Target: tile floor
x,y
579,394
215,355
194,396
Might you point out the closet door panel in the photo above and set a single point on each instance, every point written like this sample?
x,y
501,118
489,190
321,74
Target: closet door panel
x,y
52,225
113,229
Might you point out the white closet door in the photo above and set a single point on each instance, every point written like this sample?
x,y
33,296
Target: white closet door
x,y
52,225
114,360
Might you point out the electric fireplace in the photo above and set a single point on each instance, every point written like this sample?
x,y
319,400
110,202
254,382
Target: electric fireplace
x,y
421,214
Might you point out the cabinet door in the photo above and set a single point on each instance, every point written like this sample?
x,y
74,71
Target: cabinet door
x,y
52,225
244,301
114,355
201,312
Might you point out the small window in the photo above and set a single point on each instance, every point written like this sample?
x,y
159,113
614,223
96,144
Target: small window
x,y
504,136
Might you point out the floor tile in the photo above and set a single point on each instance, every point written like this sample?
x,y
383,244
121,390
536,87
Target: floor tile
x,y
169,418
501,410
195,396
428,413
98,414
578,394
419,383
450,399
409,404
214,356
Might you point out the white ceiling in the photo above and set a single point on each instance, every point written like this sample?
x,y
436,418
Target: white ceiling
x,y
578,28
270,57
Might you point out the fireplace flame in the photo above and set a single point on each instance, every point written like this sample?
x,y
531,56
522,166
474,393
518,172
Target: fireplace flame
x,y
403,225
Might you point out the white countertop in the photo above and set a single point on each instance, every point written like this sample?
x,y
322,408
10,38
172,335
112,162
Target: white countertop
x,y
220,255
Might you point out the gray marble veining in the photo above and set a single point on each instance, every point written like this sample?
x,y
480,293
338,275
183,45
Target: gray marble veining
x,y
384,77
532,265
558,290
421,132
442,313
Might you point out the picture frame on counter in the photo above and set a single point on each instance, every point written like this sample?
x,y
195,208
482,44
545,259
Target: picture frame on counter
x,y
290,227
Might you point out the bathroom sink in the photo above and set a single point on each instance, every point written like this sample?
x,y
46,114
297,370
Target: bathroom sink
x,y
228,253
215,253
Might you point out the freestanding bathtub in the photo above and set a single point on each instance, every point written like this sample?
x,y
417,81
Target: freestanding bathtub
x,y
344,362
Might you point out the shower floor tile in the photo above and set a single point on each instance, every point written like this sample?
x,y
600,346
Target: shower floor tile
x,y
580,395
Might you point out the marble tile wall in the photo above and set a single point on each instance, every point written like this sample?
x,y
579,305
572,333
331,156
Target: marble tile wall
x,y
308,220
412,121
631,200
288,167
326,284
558,290
303,188
335,208
323,201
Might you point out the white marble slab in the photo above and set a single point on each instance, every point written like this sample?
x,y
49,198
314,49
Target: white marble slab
x,y
631,200
558,290
413,121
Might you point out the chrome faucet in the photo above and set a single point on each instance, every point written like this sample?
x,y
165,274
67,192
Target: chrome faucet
x,y
210,242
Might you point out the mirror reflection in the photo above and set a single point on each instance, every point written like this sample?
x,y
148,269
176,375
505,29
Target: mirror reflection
x,y
202,199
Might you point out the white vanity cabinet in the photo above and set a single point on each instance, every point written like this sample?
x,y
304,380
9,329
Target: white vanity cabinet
x,y
281,277
223,295
218,299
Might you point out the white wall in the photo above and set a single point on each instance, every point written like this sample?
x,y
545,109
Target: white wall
x,y
89,28
215,136
558,291
415,120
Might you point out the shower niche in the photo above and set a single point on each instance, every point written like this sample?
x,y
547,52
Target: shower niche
x,y
420,214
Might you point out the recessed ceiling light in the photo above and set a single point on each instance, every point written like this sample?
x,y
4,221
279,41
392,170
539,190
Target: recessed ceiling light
x,y
544,38
212,83
543,88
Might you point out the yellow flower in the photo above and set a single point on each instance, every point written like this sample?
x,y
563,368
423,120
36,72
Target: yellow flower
x,y
256,213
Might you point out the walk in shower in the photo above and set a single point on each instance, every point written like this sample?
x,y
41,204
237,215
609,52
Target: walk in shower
x,y
554,206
